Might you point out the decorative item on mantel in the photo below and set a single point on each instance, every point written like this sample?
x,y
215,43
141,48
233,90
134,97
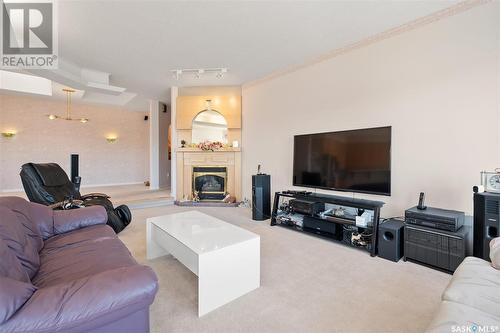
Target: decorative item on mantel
x,y
210,146
183,143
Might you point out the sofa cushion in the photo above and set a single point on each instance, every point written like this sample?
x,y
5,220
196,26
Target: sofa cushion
x,y
495,252
81,253
455,317
10,266
88,304
476,284
13,294
22,237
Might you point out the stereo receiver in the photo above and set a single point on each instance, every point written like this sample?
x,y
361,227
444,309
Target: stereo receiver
x,y
306,207
437,218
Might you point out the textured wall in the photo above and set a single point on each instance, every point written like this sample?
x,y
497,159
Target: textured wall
x,y
41,140
437,86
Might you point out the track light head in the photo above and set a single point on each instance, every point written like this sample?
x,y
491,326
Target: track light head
x,y
177,74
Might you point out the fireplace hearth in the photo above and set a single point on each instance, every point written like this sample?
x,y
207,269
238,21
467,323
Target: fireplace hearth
x,y
210,183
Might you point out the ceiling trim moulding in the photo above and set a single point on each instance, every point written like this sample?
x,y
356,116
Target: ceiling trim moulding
x,y
412,25
24,83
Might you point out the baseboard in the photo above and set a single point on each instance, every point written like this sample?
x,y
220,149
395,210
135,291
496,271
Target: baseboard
x,y
12,190
112,184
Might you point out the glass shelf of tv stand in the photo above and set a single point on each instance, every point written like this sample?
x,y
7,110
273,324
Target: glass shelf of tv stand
x,y
337,219
342,220
327,218
344,237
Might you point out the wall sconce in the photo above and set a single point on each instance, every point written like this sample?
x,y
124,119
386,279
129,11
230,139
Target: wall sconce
x,y
8,134
111,138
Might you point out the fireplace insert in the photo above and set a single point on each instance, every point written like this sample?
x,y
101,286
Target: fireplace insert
x,y
210,183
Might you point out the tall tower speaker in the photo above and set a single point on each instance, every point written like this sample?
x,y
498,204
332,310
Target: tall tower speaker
x,y
486,222
390,242
261,197
75,171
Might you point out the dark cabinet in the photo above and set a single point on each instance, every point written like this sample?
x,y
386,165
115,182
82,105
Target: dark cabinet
x,y
441,249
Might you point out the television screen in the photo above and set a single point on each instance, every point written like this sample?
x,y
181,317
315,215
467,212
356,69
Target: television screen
x,y
354,161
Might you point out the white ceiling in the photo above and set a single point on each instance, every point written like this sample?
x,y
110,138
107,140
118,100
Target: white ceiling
x,y
140,42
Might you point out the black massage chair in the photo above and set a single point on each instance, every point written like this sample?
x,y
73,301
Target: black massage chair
x,y
49,185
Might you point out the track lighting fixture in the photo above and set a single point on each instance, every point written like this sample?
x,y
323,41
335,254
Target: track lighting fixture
x,y
199,72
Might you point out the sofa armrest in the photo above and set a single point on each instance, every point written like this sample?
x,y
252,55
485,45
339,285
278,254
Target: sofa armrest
x,y
87,303
73,219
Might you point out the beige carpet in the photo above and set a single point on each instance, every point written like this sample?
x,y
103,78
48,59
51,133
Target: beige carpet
x,y
307,285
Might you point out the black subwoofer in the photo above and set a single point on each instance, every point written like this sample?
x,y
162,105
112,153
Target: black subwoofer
x,y
390,240
261,197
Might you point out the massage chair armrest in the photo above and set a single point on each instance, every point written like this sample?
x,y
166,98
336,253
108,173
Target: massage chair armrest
x,y
94,195
87,303
73,219
67,204
57,205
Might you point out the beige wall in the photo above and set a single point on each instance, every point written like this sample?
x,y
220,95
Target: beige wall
x,y
437,86
41,140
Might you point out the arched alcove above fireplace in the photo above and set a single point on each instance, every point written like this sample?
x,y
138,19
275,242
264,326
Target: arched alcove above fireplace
x,y
219,114
209,125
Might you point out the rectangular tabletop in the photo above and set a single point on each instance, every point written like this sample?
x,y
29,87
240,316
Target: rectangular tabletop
x,y
201,232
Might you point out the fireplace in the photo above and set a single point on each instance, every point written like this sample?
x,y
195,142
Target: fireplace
x,y
210,183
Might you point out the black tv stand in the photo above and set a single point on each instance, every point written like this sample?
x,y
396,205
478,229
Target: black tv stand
x,y
331,223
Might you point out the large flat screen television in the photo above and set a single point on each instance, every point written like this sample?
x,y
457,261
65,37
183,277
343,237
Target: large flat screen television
x,y
354,161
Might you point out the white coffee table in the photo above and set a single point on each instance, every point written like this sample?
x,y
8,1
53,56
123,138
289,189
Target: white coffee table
x,y
226,258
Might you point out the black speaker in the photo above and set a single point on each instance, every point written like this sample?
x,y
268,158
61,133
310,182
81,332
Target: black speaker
x,y
75,170
74,166
261,197
486,222
390,240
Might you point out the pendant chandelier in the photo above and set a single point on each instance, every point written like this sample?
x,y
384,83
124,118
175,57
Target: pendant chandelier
x,y
68,92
